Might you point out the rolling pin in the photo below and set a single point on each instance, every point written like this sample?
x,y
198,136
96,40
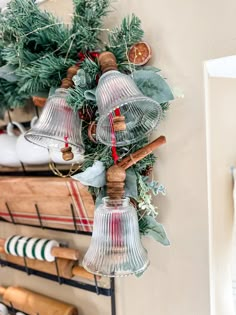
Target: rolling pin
x,y
34,303
57,252
67,268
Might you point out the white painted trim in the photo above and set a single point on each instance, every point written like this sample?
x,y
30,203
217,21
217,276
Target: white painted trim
x,y
210,210
222,67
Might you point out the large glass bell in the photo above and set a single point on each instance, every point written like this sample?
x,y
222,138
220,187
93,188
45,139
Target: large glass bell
x,y
116,249
58,127
126,115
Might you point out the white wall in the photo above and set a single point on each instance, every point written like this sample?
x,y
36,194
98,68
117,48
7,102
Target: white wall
x,y
182,33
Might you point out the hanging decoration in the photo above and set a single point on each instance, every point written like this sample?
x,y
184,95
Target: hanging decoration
x,y
115,232
59,127
116,97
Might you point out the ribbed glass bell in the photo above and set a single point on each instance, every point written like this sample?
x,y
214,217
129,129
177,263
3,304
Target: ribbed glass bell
x,y
116,249
58,128
126,115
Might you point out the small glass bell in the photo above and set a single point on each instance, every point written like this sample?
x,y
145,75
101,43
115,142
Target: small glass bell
x,y
59,128
116,249
126,115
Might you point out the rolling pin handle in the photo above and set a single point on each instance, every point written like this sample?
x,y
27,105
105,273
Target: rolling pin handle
x,y
2,290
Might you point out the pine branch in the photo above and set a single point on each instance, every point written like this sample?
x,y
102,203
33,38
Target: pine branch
x,y
87,22
76,99
10,96
121,39
43,74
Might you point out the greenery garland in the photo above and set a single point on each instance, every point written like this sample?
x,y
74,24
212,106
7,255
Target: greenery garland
x,y
37,49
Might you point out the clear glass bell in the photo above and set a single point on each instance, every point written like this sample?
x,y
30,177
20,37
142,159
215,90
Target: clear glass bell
x,y
116,249
118,95
58,127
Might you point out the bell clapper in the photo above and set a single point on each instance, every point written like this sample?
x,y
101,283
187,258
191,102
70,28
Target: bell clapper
x,y
67,153
119,123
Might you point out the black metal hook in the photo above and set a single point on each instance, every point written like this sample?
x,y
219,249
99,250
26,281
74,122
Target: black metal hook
x,y
73,217
9,116
26,266
10,213
23,167
13,310
96,285
39,216
59,279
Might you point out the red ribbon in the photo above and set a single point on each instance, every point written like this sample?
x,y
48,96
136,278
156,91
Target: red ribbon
x,y
66,142
90,54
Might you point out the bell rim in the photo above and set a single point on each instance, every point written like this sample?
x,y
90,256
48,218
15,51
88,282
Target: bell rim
x,y
140,270
120,104
29,134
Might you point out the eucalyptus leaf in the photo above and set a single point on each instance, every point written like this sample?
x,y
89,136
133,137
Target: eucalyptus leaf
x,y
94,176
131,189
100,196
7,73
151,68
153,85
151,228
90,95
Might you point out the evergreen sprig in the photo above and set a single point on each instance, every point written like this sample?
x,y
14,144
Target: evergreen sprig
x,y
43,74
87,22
121,38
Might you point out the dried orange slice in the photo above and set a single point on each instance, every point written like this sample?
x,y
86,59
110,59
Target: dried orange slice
x,y
140,53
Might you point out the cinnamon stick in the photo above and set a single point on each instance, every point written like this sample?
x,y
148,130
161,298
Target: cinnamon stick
x,y
141,153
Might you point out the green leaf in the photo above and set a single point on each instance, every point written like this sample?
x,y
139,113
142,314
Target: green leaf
x,y
153,85
150,227
131,189
7,72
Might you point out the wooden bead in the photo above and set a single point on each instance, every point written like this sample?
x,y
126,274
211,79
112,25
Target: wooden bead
x,y
116,174
67,154
72,71
116,182
119,123
107,61
67,83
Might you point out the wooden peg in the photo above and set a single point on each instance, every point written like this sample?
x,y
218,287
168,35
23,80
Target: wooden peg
x,y
107,61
